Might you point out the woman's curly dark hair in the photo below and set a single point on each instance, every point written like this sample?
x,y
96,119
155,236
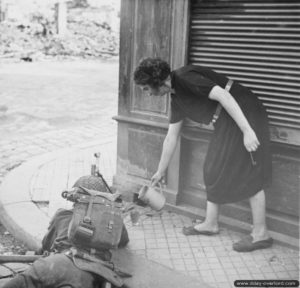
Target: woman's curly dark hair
x,y
152,72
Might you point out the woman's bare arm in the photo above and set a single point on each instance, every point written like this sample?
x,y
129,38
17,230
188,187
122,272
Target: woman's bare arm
x,y
169,146
231,106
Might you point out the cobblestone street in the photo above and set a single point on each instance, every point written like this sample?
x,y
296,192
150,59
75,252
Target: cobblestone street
x,y
53,105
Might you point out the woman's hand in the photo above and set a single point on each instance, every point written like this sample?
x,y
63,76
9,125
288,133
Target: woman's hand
x,y
250,140
219,94
157,177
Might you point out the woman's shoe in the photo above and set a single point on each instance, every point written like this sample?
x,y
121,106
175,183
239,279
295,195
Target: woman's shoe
x,y
247,245
190,230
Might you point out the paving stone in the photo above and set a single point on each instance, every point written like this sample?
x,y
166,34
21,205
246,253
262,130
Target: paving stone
x,y
224,285
231,271
218,272
258,276
180,267
242,270
216,266
270,275
294,274
213,260
220,278
282,275
266,269
227,265
176,256
278,268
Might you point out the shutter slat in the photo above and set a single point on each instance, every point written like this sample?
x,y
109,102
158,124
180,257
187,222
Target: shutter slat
x,y
283,119
255,42
260,46
262,81
280,32
271,89
267,84
239,66
246,52
285,62
292,5
248,12
278,109
253,82
251,38
201,21
220,4
283,124
278,99
249,16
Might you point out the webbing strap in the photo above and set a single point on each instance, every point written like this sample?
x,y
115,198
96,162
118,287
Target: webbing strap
x,y
219,107
87,217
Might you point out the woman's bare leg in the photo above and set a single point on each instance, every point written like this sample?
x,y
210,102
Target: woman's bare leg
x,y
258,208
211,220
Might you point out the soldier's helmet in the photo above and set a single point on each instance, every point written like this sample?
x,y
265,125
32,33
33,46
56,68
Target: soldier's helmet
x,y
91,182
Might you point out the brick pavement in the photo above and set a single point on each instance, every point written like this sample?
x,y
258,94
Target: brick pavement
x,y
158,237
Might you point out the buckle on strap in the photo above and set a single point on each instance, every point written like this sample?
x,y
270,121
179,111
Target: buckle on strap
x,y
219,107
228,85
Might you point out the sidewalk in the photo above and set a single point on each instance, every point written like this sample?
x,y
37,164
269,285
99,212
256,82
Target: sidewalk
x,y
33,189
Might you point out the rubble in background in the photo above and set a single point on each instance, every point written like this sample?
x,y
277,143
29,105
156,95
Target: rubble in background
x,y
9,245
88,35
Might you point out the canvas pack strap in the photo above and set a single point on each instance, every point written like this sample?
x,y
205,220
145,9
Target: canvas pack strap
x,y
219,107
87,217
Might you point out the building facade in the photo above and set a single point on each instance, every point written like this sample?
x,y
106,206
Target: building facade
x,y
254,42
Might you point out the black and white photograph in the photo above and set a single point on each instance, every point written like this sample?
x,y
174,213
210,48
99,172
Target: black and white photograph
x,y
149,143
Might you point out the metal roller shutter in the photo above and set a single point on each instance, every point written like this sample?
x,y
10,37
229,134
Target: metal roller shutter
x,y
256,42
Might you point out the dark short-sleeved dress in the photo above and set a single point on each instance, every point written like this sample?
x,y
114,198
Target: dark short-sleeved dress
x,y
229,173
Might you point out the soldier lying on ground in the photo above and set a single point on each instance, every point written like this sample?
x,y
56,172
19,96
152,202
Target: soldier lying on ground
x,y
68,265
